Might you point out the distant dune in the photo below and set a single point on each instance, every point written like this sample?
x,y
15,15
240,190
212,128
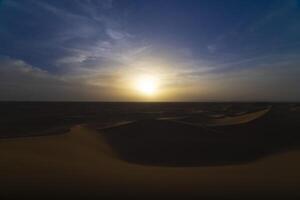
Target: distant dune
x,y
240,119
223,120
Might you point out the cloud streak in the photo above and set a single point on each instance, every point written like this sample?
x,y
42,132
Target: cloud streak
x,y
21,81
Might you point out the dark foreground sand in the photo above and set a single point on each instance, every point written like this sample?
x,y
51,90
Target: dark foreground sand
x,y
81,164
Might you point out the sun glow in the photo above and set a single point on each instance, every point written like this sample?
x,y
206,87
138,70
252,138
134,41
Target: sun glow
x,y
147,85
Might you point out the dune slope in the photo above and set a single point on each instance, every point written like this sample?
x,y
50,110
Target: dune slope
x,y
81,165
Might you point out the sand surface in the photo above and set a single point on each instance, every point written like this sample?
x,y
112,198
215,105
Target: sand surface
x,y
223,120
80,163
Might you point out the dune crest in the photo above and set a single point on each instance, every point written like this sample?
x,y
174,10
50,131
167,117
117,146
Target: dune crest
x,y
241,119
227,120
80,142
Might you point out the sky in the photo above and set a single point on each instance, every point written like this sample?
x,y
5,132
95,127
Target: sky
x,y
199,50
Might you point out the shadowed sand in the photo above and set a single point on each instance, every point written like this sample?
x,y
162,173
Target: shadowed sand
x,y
160,142
80,164
169,142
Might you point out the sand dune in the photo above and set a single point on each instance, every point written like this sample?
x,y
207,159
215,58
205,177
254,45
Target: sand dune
x,y
80,165
169,143
172,118
110,124
226,120
152,158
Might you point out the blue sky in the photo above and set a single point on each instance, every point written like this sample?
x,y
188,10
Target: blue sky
x,y
202,50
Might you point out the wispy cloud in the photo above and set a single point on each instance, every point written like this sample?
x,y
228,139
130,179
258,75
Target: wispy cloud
x,y
21,81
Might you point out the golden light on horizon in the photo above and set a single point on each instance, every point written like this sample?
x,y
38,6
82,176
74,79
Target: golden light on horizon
x,y
147,85
148,81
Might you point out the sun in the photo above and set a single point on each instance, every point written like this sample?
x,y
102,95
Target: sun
x,y
147,85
